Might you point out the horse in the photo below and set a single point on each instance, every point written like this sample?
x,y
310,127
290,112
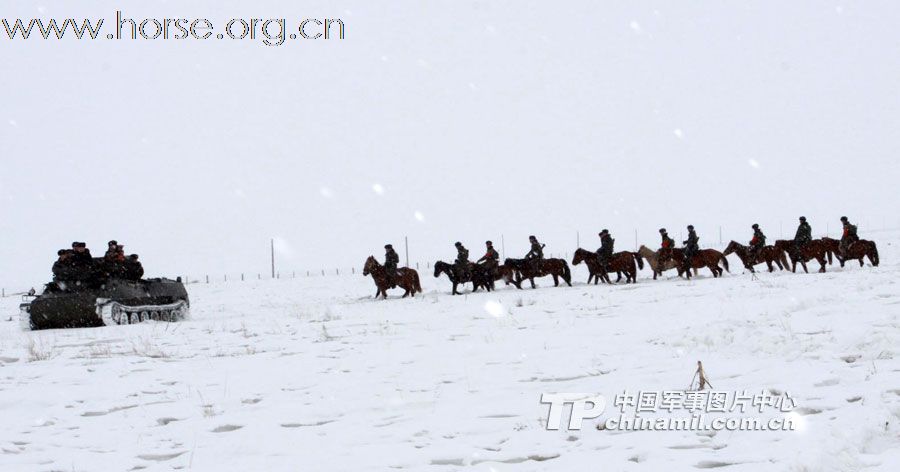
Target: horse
x,y
620,262
708,258
480,276
407,279
655,264
814,249
553,267
856,250
768,254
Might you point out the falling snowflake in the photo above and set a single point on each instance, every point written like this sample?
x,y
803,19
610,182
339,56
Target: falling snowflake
x,y
419,216
636,27
753,163
494,309
678,133
326,192
378,189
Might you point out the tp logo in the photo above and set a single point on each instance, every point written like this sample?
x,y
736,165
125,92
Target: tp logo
x,y
578,413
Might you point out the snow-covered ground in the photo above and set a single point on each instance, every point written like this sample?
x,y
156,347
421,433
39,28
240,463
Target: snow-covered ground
x,y
312,374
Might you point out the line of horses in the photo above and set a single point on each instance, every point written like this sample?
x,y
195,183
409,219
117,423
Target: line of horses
x,y
784,254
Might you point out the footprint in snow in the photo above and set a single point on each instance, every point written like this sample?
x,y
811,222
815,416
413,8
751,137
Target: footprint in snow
x,y
226,428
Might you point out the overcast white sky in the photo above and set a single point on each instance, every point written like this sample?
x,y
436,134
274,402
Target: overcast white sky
x,y
473,119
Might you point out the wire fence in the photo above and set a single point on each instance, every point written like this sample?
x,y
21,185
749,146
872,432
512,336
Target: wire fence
x,y
717,240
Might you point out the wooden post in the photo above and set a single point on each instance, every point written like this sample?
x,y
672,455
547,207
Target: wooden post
x,y
406,244
272,241
242,276
207,279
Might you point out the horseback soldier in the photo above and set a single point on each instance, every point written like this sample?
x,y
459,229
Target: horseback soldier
x,y
462,261
691,245
758,241
391,260
848,237
535,255
803,236
491,257
604,254
667,242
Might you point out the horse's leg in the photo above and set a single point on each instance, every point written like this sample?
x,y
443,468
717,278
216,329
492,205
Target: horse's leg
x,y
531,279
769,264
803,263
454,288
555,280
821,260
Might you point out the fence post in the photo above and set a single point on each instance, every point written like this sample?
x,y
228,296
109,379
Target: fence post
x,y
337,271
3,291
307,273
242,276
323,272
720,235
353,270
258,276
226,277
207,279
294,274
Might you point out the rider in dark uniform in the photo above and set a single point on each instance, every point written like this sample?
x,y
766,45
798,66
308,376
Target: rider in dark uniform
x,y
667,242
491,257
758,241
535,255
391,260
848,237
462,261
691,245
604,254
803,235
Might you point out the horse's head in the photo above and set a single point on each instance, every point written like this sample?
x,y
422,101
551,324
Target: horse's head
x,y
579,256
439,266
732,247
369,266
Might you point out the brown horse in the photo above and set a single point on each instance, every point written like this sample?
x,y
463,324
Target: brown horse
x,y
708,258
655,265
814,249
620,262
407,279
479,275
558,268
768,254
857,250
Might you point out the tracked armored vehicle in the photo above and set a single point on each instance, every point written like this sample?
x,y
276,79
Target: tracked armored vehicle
x,y
94,296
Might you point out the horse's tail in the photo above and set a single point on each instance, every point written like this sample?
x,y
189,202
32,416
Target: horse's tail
x,y
567,274
639,259
873,254
830,253
724,262
417,287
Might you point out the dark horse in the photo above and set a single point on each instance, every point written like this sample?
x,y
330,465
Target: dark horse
x,y
620,262
554,267
857,250
708,258
768,254
480,276
814,249
407,279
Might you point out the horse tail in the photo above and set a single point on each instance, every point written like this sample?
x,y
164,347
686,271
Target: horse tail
x,y
639,259
724,262
567,274
873,254
830,254
417,287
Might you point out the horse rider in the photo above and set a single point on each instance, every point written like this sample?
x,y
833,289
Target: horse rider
x,y
604,254
691,245
491,257
112,250
757,242
462,261
848,237
803,235
391,260
535,254
667,242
